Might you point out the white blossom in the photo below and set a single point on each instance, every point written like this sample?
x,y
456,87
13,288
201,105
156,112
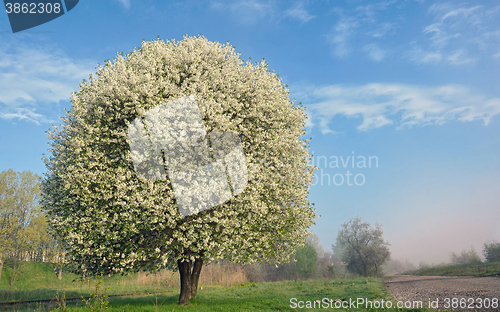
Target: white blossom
x,y
114,221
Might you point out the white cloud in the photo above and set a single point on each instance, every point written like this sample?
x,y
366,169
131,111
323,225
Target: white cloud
x,y
383,29
246,11
34,78
369,11
458,35
403,105
419,56
459,57
439,37
430,57
374,52
24,114
341,34
446,11
299,13
452,57
125,3
360,29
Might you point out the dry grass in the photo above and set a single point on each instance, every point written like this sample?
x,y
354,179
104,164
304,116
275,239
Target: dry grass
x,y
226,274
166,278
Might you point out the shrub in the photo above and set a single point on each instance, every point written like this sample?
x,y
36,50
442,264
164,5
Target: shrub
x,y
466,257
491,252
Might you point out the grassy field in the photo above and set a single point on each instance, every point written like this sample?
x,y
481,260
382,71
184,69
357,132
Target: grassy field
x,y
37,281
274,296
479,269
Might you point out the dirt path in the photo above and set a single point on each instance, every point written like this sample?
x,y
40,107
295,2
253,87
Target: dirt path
x,y
462,293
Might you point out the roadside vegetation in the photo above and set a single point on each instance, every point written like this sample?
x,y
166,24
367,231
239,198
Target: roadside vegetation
x,y
466,263
476,269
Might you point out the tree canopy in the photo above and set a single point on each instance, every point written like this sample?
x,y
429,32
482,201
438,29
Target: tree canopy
x,y
306,261
113,221
362,247
491,251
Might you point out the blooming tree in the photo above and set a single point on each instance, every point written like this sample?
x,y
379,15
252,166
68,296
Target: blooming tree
x,y
112,220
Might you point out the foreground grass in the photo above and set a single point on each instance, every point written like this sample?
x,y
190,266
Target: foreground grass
x,y
38,281
479,270
272,296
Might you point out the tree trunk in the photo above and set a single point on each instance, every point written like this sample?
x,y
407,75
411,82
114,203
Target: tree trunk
x,y
185,274
59,275
1,267
195,276
189,279
14,271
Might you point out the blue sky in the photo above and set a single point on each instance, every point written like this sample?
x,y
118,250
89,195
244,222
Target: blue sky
x,y
414,84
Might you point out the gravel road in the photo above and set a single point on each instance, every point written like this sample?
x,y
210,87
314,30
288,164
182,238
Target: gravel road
x,y
471,293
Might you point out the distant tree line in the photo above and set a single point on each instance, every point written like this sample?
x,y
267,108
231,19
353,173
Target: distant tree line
x,y
359,249
24,231
310,261
491,252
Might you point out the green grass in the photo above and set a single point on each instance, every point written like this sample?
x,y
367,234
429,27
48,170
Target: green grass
x,y
479,269
273,296
260,297
38,281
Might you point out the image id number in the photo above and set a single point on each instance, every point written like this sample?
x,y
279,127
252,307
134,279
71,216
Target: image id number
x,y
470,303
33,8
